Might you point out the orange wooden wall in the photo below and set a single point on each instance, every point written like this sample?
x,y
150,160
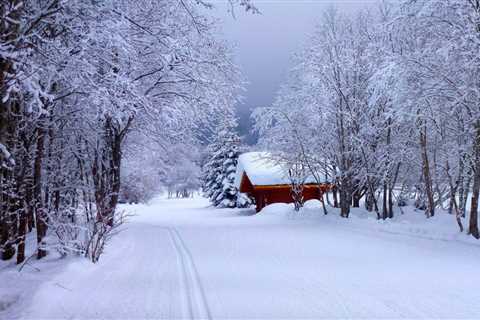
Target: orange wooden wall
x,y
265,195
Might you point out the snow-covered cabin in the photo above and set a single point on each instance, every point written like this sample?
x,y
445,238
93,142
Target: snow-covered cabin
x,y
267,180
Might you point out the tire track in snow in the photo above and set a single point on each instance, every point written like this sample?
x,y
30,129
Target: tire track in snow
x,y
195,294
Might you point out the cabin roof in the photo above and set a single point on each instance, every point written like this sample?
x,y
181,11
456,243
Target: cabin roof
x,y
262,170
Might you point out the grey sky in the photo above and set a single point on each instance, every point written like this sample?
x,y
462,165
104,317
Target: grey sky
x,y
264,43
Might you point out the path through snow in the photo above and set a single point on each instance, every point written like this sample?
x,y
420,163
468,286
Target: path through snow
x,y
181,259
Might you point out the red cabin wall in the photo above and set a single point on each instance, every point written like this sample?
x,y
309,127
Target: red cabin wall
x,y
245,185
277,194
265,195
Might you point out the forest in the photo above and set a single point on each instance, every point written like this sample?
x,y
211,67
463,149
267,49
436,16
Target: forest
x,y
100,98
385,104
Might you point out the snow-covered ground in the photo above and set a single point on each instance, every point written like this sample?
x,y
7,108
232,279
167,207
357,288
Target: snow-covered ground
x,y
182,259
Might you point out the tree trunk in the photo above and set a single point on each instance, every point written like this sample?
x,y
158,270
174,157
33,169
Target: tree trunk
x,y
22,230
328,199
368,202
463,193
335,197
391,187
386,183
9,183
384,206
345,198
453,201
430,211
40,216
22,203
390,203
5,249
106,172
473,223
322,200
356,196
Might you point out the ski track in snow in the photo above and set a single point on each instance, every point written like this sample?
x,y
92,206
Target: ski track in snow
x,y
180,259
194,291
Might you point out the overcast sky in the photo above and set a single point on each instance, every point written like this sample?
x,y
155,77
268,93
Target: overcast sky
x,y
265,43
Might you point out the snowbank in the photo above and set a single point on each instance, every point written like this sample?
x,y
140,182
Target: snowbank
x,y
18,284
411,222
276,209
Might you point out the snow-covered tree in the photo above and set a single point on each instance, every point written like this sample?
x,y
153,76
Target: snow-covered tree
x,y
220,167
84,85
388,98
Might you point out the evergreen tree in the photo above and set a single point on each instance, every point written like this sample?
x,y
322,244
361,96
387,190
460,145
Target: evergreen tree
x,y
219,170
211,170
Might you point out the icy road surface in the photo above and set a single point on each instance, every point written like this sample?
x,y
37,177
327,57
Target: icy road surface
x,y
181,259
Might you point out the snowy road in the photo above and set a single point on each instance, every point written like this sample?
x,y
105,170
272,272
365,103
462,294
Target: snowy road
x,y
180,259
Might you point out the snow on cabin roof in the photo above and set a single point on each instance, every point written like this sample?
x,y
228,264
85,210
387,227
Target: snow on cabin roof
x,y
262,170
